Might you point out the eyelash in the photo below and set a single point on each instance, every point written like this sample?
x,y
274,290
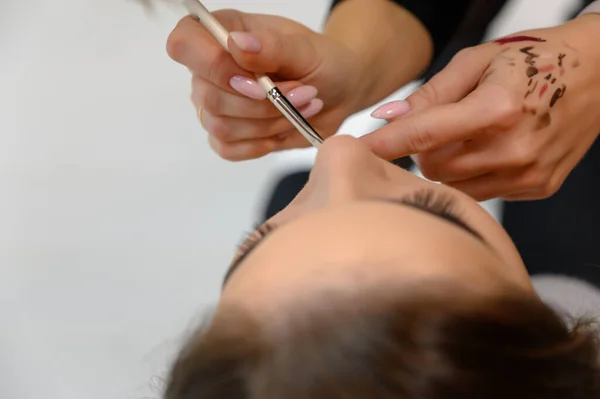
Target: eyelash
x,y
427,199
251,239
439,203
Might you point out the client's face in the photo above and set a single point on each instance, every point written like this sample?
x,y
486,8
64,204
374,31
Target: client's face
x,y
360,221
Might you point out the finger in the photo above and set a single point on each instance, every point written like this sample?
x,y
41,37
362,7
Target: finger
x,y
502,184
228,129
451,84
456,80
292,140
452,162
487,153
192,46
526,196
548,183
489,106
485,187
268,50
244,150
222,103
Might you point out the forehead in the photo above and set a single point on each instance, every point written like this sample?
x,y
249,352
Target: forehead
x,y
343,248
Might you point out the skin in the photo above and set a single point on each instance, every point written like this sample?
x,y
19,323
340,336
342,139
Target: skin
x,y
473,126
339,63
338,234
509,118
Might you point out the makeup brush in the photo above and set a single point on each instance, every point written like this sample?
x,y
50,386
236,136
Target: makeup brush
x,y
197,9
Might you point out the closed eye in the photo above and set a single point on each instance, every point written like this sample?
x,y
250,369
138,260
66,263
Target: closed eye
x,y
429,201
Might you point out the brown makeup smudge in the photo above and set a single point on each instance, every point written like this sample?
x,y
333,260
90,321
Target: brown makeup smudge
x,y
558,93
543,121
531,90
531,71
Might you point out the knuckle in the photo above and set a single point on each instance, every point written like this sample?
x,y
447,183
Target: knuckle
x,y
197,91
227,16
226,154
429,169
550,187
522,154
417,140
277,40
429,93
176,44
464,54
506,108
216,66
223,150
217,128
534,179
206,96
210,100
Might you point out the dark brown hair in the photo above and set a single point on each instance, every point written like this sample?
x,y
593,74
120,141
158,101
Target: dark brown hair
x,y
507,346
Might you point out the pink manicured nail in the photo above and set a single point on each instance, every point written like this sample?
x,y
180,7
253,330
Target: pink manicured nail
x,y
246,41
313,108
247,87
391,110
302,95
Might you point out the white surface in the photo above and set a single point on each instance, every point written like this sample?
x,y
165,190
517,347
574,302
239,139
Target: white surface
x,y
117,219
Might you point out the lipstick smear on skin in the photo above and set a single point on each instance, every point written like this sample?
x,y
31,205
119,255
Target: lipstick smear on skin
x,y
543,89
515,39
546,68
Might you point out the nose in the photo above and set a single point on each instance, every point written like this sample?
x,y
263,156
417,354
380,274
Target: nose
x,y
345,170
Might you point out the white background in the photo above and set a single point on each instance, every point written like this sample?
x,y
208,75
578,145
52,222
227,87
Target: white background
x,y
116,220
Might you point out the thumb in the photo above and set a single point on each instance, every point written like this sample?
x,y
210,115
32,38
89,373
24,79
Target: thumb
x,y
292,56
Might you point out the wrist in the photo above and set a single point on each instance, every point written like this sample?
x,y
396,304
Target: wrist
x,y
582,34
389,45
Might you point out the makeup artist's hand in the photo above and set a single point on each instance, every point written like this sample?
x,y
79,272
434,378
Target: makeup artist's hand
x,y
314,72
508,119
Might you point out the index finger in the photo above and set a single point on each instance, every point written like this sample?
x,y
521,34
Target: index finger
x,y
191,45
438,125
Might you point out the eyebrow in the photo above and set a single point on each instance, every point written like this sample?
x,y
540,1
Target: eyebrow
x,y
459,223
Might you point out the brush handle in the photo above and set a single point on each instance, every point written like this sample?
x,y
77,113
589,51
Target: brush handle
x,y
195,7
221,35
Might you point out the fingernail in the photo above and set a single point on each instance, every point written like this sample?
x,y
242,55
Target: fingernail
x,y
302,95
246,41
247,87
391,110
313,108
